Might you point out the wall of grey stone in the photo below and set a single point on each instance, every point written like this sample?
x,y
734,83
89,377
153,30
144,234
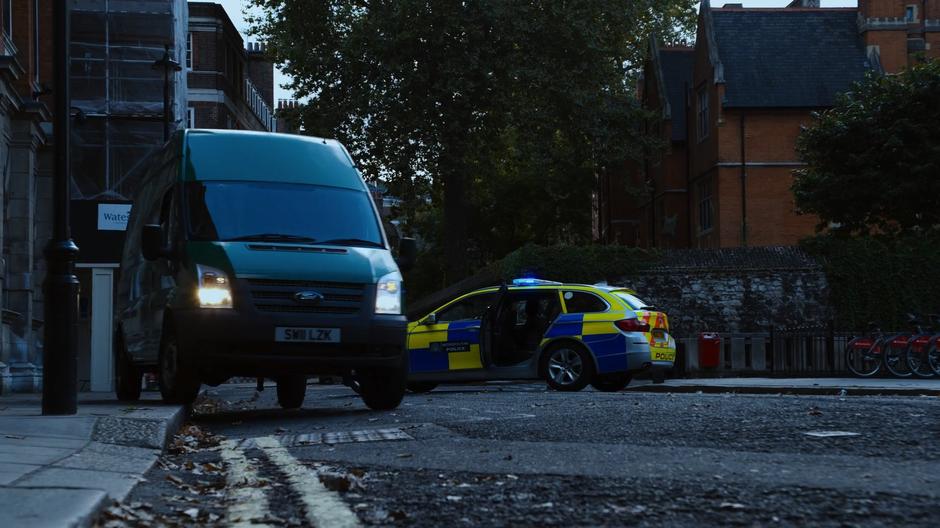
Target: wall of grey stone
x,y
735,290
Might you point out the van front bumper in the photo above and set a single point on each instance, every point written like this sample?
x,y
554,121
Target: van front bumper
x,y
225,343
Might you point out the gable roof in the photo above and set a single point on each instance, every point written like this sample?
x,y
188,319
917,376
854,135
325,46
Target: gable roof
x,y
677,65
786,57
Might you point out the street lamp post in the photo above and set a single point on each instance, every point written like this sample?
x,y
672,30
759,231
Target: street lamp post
x,y
168,64
60,358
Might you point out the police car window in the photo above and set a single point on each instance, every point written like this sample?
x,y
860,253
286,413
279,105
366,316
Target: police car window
x,y
632,301
470,308
583,302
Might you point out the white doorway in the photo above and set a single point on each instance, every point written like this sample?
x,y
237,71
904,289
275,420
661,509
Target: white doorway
x,y
99,278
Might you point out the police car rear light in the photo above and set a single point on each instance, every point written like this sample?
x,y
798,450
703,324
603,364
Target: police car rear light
x,y
632,325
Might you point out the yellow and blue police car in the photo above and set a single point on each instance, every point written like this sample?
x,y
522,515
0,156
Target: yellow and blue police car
x,y
570,335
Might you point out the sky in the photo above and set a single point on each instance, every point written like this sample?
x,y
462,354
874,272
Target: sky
x,y
235,9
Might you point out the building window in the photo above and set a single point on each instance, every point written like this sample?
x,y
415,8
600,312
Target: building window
x,y
910,13
189,50
190,117
705,210
702,114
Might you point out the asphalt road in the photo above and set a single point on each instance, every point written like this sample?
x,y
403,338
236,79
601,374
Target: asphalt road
x,y
518,454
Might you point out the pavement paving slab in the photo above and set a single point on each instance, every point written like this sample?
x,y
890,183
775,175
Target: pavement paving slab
x,y
61,470
22,506
811,386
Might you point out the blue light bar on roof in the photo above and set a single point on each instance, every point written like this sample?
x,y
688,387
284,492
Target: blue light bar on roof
x,y
532,282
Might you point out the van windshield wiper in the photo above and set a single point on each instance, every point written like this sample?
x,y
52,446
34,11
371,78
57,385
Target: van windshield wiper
x,y
351,242
271,237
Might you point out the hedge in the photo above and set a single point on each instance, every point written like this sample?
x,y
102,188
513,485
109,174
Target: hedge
x,y
880,279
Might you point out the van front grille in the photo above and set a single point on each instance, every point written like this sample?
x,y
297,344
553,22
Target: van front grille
x,y
280,296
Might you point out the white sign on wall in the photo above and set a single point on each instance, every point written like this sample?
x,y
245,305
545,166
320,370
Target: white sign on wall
x,y
113,217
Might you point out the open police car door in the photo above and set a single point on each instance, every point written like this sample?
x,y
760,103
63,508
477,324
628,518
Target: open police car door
x,y
488,327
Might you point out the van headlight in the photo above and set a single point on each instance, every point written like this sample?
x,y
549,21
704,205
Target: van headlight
x,y
214,290
388,294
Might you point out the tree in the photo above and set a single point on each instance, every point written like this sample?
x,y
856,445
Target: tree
x,y
500,112
873,160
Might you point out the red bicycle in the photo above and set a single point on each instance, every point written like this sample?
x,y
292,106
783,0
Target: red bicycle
x,y
923,354
863,355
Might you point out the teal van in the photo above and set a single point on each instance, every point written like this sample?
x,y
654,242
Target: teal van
x,y
259,255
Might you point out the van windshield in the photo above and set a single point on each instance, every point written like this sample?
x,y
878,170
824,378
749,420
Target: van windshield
x,y
281,212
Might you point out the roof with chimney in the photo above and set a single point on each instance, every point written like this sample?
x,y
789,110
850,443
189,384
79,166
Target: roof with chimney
x,y
792,57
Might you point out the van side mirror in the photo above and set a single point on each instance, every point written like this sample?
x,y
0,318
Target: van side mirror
x,y
407,253
151,242
431,319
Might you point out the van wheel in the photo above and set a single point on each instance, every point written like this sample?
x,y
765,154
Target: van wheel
x,y
382,389
420,387
612,384
128,379
567,367
291,391
178,381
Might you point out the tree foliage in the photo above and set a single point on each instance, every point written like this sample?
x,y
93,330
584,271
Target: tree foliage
x,y
873,160
490,118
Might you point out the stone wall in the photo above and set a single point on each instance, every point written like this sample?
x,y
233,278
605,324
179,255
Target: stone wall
x,y
735,289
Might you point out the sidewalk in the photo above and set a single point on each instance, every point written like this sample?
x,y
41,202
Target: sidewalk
x,y
834,386
60,470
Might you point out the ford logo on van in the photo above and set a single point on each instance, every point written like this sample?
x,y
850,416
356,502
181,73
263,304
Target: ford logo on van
x,y
309,297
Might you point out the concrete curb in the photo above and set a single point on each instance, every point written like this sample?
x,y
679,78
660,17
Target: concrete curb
x,y
119,449
799,391
157,437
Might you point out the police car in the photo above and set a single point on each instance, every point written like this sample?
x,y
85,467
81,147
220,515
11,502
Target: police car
x,y
570,335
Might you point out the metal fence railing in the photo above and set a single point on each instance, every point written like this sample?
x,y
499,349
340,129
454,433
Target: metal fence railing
x,y
810,351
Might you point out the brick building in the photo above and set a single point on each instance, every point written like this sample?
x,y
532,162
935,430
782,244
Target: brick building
x,y
731,118
26,161
230,85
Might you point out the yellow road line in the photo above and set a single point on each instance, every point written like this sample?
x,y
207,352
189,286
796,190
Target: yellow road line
x,y
322,507
247,504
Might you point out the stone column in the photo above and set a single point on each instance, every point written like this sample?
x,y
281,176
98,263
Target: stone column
x,y
6,109
19,234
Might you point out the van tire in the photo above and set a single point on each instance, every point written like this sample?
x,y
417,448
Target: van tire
x,y
382,389
570,356
291,391
420,387
612,383
128,379
178,381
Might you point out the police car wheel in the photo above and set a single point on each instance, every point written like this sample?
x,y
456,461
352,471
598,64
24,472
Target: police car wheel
x,y
611,384
567,367
419,387
291,391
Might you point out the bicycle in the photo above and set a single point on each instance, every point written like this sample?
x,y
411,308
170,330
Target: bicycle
x,y
863,353
895,349
922,353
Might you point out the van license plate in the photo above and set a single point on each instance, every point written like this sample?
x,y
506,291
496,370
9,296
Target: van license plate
x,y
306,335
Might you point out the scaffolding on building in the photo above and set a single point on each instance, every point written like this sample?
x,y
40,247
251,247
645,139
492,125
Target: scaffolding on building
x,y
118,92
